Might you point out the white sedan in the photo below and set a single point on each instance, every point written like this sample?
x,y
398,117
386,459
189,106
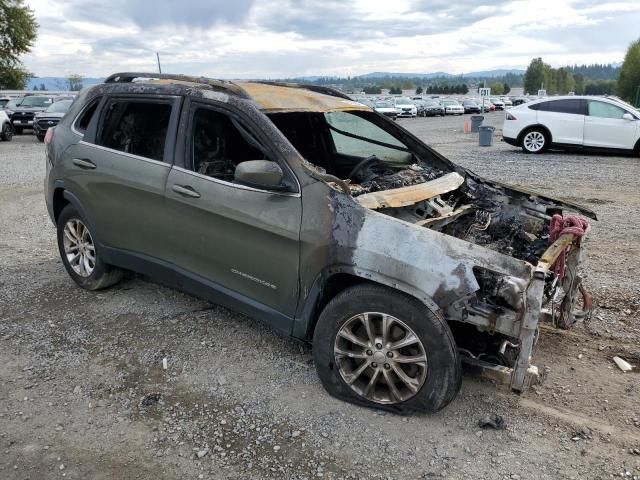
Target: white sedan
x,y
593,123
452,107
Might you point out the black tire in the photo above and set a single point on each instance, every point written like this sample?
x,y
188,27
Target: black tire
x,y
7,132
534,140
443,373
17,130
40,137
103,275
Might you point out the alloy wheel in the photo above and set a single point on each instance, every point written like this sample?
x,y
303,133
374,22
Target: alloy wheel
x,y
380,357
79,248
534,141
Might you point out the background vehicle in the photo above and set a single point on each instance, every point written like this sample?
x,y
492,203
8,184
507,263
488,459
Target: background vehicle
x,y
452,107
470,106
24,109
433,108
386,108
499,104
6,129
405,107
50,117
507,102
573,122
3,102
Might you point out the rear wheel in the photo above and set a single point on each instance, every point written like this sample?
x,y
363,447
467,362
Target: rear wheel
x,y
534,141
379,348
40,137
80,252
17,130
6,133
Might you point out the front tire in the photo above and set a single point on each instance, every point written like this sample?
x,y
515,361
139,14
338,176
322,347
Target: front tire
x,y
7,132
80,252
534,141
380,348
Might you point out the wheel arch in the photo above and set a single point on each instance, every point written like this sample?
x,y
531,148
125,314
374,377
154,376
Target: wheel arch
x,y
335,280
537,126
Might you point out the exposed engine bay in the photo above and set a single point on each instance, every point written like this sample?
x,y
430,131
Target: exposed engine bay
x,y
475,212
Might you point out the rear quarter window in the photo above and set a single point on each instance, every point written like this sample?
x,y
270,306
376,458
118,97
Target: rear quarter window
x,y
81,123
572,106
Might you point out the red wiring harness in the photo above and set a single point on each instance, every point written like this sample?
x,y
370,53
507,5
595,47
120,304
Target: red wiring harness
x,y
560,225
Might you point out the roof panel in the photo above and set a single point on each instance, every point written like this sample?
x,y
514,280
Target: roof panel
x,y
276,98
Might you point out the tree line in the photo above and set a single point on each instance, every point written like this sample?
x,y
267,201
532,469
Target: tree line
x,y
596,79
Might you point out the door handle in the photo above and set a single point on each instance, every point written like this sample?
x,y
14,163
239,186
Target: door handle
x,y
84,163
185,191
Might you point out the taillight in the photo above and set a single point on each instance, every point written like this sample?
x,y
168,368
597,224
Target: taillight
x,y
48,136
508,116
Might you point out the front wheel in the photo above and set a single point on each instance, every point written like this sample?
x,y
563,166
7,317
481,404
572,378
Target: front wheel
x,y
80,252
379,348
534,141
6,133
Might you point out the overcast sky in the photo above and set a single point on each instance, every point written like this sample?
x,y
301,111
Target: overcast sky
x,y
280,38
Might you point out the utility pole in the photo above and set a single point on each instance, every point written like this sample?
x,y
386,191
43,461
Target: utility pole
x,y
158,57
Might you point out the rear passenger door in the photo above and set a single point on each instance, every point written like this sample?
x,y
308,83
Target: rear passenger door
x,y
564,118
120,169
605,127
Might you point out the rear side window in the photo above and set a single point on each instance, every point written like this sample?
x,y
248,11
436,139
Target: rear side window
x,y
136,127
572,106
82,122
605,110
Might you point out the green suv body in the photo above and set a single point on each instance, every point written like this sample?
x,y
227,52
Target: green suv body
x,y
312,213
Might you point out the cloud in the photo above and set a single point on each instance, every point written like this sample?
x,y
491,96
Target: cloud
x,y
263,38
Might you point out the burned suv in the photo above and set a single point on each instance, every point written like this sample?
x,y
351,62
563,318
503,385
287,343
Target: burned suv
x,y
322,218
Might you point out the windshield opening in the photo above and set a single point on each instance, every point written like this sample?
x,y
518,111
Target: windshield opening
x,y
59,107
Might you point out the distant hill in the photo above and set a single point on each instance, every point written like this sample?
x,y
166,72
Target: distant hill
x,y
58,83
483,74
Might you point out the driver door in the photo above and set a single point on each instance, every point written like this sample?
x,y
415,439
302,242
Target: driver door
x,y
238,240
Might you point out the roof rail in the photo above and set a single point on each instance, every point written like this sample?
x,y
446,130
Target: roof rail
x,y
314,88
223,85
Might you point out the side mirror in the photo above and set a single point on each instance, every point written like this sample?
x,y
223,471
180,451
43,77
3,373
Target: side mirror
x,y
628,116
260,174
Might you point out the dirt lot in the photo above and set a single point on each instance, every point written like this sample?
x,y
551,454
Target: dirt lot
x,y
79,370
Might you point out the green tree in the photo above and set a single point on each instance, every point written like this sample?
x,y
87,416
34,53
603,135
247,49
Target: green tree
x,y
18,30
578,78
419,90
506,88
465,89
537,75
629,79
372,90
74,82
496,88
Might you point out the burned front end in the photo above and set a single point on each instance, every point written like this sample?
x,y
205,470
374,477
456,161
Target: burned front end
x,y
497,260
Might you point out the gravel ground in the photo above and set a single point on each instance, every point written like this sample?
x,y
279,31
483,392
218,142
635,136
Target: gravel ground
x,y
83,393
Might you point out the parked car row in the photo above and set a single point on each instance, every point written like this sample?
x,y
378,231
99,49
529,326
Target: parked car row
x,y
422,106
32,112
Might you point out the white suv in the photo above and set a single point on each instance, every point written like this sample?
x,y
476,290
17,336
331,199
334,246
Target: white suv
x,y
575,121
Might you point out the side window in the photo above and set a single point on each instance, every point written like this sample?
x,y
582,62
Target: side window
x,y
605,110
360,147
572,106
136,127
219,144
82,122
